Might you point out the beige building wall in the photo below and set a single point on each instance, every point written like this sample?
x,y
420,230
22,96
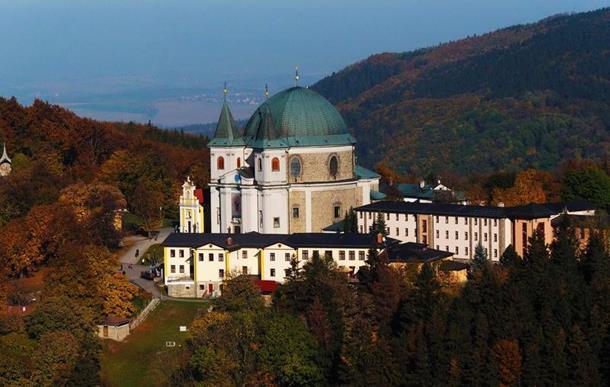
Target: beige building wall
x,y
296,199
324,202
315,164
523,229
113,332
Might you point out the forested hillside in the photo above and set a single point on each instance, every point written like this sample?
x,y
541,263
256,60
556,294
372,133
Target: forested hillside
x,y
526,96
71,177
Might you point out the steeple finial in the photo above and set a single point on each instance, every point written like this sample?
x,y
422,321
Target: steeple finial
x,y
296,75
4,158
225,91
266,91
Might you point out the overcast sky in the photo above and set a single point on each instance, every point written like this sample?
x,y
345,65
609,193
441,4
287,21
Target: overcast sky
x,y
203,42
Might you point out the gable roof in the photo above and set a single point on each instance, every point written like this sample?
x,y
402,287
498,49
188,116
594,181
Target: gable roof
x,y
529,211
257,240
411,252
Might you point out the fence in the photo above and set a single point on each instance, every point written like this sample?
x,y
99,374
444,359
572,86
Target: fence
x,y
145,312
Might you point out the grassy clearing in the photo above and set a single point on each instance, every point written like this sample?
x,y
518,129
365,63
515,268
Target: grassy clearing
x,y
143,359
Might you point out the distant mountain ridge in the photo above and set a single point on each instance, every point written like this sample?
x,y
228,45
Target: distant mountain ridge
x,y
529,95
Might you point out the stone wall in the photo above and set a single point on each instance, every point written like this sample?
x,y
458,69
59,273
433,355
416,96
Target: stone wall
x,y
181,290
323,203
297,199
315,167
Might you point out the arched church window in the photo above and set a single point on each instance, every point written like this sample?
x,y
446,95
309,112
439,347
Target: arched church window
x,y
333,166
295,167
275,164
239,162
259,163
220,163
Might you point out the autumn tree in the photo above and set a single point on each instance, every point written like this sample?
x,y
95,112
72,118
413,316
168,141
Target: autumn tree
x,y
146,202
528,188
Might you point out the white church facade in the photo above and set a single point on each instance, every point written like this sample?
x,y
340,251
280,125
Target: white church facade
x,y
292,170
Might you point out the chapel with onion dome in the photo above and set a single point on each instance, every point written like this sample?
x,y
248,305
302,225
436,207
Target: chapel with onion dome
x,y
292,168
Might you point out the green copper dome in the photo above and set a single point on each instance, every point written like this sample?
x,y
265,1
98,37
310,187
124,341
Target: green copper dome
x,y
296,117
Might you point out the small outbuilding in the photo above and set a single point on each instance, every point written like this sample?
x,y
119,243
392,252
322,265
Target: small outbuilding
x,y
114,328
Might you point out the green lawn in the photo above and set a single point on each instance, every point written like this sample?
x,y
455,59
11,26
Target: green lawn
x,y
143,359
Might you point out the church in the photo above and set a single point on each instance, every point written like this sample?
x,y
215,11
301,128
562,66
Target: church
x,y
292,169
5,163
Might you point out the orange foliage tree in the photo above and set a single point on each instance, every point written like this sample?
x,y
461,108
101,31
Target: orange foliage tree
x,y
528,188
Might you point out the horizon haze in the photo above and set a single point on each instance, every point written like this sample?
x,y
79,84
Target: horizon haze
x,y
166,62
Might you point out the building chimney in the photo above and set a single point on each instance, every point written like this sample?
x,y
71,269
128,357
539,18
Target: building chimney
x,y
229,241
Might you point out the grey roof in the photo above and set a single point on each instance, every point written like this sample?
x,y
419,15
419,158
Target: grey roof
x,y
257,240
226,133
411,252
426,192
530,211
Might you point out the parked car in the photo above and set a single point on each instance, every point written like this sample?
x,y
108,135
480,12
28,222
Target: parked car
x,y
147,275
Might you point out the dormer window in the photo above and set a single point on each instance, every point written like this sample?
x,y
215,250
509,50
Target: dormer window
x,y
275,164
220,163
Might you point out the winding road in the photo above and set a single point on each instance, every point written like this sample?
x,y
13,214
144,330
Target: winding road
x,y
128,257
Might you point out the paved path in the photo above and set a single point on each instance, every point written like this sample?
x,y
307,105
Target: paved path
x,y
131,265
128,258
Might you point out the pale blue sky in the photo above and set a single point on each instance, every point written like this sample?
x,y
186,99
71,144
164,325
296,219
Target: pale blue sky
x,y
81,46
208,40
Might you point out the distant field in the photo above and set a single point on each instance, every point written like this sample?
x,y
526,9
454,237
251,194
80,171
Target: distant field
x,y
143,359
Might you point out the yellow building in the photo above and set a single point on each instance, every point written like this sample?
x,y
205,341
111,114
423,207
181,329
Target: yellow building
x,y
191,208
197,264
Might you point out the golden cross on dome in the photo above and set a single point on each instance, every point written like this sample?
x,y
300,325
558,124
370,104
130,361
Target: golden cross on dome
x,y
266,91
296,75
225,91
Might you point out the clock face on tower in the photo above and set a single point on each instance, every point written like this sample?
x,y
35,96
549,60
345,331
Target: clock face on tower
x,y
5,169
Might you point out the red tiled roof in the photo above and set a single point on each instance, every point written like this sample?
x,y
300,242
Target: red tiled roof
x,y
266,286
199,195
116,321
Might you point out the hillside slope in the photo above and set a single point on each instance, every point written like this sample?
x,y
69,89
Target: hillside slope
x,y
531,95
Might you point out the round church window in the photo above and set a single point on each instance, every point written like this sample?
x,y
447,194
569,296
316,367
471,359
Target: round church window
x,y
333,166
295,167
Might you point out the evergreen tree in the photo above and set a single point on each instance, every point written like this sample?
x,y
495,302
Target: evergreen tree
x,y
582,372
350,222
295,272
510,258
536,253
379,226
480,256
